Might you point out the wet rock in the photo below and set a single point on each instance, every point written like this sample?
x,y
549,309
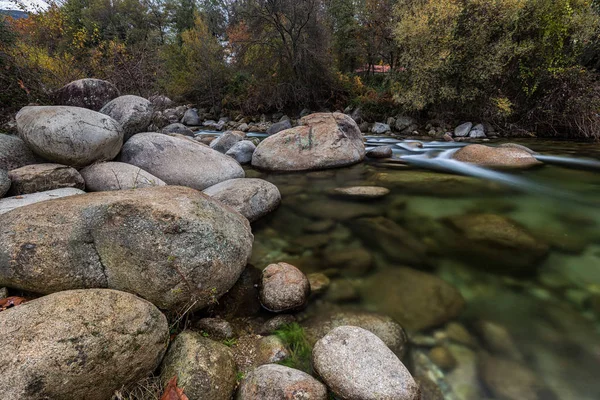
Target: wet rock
x,y
69,135
417,300
178,128
43,177
323,141
395,242
10,203
337,209
4,182
171,245
357,365
361,192
342,291
226,141
277,322
354,261
457,333
117,176
191,118
379,129
463,130
253,198
509,380
380,152
14,153
386,329
87,93
496,157
204,368
242,151
279,126
80,344
320,226
442,357
319,282
134,113
275,382
429,390
505,245
284,287
498,340
179,161
518,147
216,328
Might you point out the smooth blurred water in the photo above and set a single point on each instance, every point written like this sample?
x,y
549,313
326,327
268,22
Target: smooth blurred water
x,y
551,312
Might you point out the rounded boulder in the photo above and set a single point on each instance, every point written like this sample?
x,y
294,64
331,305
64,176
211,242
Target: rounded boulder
x,y
134,113
171,245
325,140
179,161
114,175
69,135
87,93
276,382
44,177
496,157
356,365
251,197
284,287
79,344
14,153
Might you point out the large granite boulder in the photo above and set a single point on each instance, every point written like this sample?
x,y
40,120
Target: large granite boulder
x,y
323,141
253,198
356,365
117,176
14,153
173,246
204,368
79,344
43,177
496,157
134,113
179,161
417,300
70,135
87,93
10,203
277,382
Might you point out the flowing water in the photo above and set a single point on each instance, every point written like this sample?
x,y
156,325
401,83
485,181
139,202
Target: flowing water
x,y
536,288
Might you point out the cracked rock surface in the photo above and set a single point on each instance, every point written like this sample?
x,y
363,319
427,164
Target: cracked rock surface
x,y
171,245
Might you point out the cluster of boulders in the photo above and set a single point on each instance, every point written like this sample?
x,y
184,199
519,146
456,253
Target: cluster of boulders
x,y
164,227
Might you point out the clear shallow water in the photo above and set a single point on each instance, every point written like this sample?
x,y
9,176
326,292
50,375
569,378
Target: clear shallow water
x,y
548,306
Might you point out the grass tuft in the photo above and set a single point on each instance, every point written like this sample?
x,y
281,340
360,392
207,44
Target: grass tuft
x,y
294,337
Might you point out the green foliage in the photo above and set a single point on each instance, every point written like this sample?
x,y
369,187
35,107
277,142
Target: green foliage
x,y
294,337
230,342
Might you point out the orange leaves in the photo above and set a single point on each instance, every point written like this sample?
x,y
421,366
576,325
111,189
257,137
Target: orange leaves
x,y
11,302
172,392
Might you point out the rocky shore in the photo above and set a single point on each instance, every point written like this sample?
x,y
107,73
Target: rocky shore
x,y
126,252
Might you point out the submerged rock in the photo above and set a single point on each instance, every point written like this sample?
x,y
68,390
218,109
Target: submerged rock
x,y
134,113
417,300
276,382
380,152
204,368
87,93
505,245
496,157
179,161
69,135
253,198
14,153
356,365
171,245
323,141
10,203
79,344
117,176
44,177
361,192
386,329
284,287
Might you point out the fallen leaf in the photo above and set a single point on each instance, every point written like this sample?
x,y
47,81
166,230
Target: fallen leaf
x,y
172,392
12,301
